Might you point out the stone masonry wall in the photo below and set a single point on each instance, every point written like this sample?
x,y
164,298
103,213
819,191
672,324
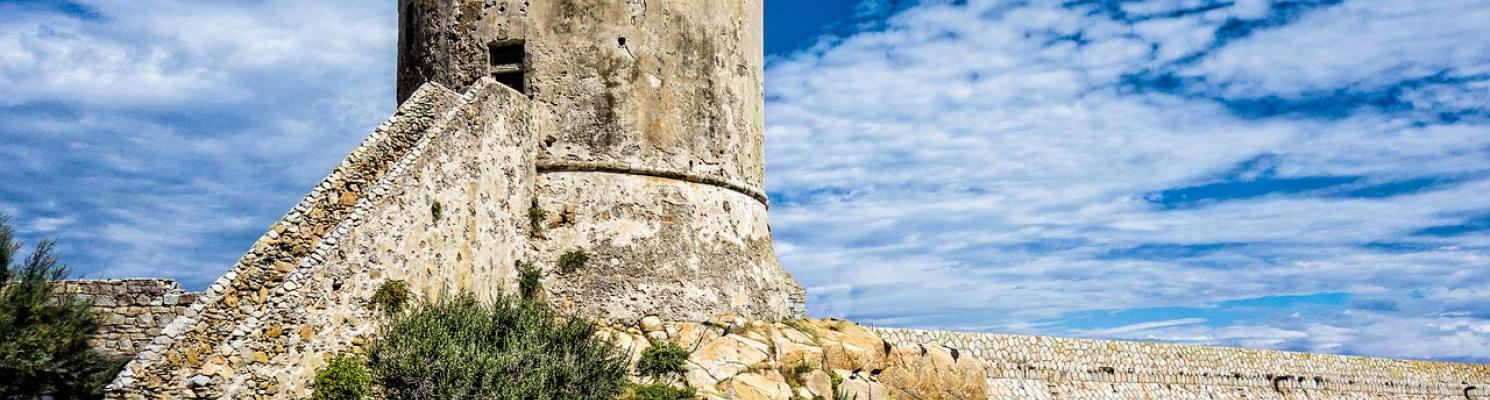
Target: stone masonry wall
x,y
661,247
650,157
447,215
1063,368
131,311
476,165
207,343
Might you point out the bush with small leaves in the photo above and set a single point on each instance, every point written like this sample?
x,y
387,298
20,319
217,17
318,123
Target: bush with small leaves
x,y
391,296
536,215
44,350
573,261
793,375
344,378
529,281
459,348
659,391
662,360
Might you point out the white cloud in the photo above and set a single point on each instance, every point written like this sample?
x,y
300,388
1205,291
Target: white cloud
x,y
1145,326
1362,45
971,167
168,134
51,224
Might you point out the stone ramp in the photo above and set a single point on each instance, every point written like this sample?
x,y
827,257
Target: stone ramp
x,y
1034,367
300,292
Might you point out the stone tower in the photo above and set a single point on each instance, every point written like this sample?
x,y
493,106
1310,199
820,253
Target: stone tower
x,y
627,132
649,155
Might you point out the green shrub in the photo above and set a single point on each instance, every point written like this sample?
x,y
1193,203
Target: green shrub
x,y
436,209
458,348
662,360
44,332
793,375
659,391
529,281
391,296
535,217
344,378
573,261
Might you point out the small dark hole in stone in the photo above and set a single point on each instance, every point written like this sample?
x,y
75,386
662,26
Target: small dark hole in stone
x,y
621,41
508,63
506,53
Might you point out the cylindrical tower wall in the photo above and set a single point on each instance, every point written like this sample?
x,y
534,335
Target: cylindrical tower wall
x,y
662,85
649,123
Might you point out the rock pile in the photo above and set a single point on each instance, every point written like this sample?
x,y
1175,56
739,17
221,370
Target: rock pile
x,y
733,358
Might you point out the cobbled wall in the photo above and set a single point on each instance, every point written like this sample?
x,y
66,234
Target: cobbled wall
x,y
131,311
1033,367
235,325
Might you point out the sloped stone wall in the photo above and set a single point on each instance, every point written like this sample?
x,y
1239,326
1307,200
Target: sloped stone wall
x,y
131,311
475,165
444,216
1036,367
201,348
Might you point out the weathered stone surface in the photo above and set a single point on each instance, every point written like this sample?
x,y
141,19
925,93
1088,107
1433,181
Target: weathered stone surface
x,y
226,326
637,233
650,153
132,312
766,385
652,324
846,343
816,383
744,360
666,85
925,372
857,387
1062,368
723,358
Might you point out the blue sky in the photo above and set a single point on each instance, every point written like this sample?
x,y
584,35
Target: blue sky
x,y
1300,175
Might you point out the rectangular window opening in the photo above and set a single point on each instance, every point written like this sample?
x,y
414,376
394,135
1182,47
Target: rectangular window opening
x,y
509,63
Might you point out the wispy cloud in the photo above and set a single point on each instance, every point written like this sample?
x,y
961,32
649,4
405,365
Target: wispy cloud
x,y
1142,326
1012,166
160,137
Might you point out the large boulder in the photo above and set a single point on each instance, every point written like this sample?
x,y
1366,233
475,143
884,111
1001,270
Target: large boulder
x,y
734,358
926,372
